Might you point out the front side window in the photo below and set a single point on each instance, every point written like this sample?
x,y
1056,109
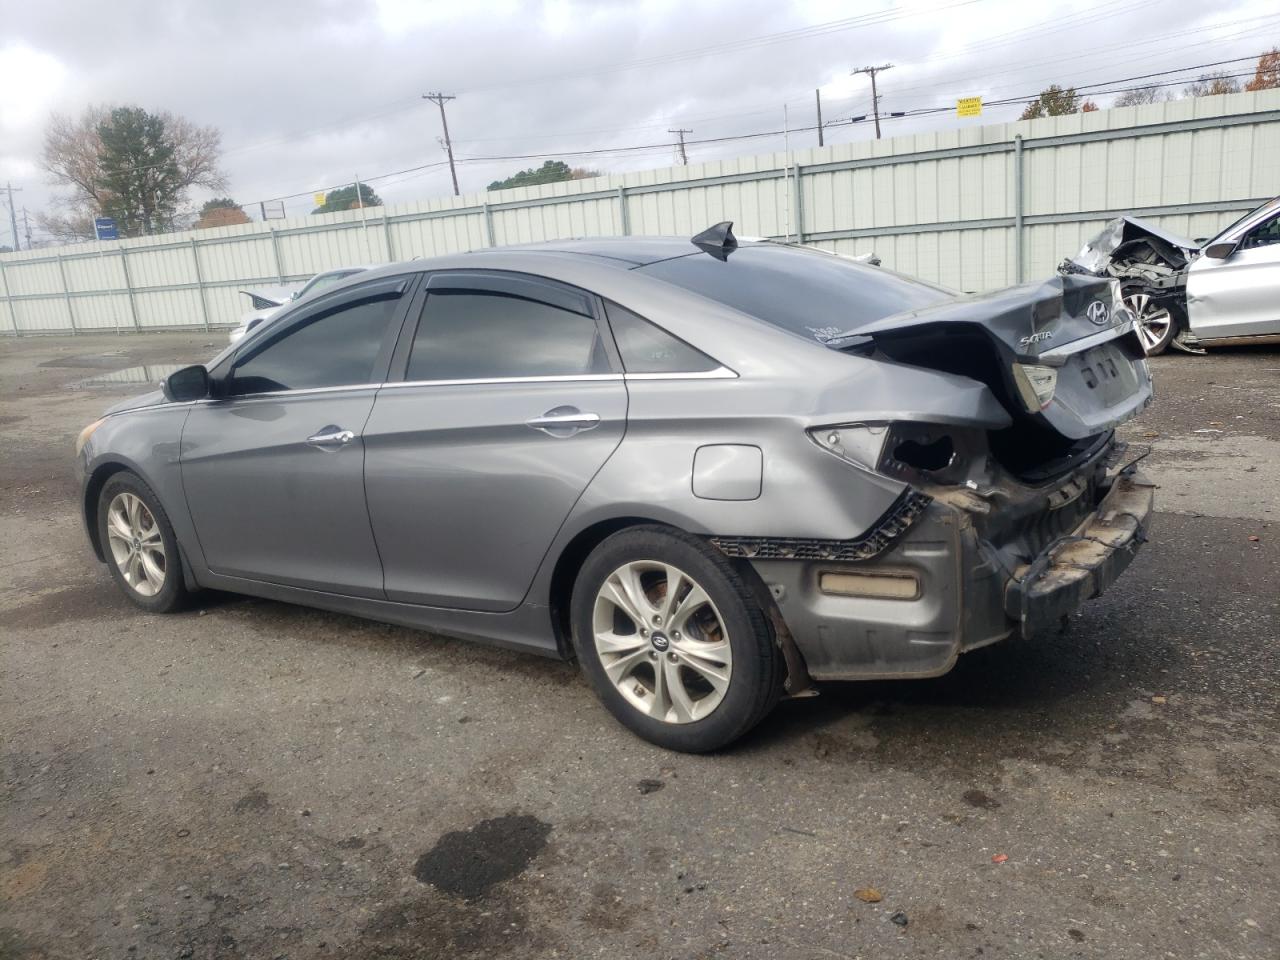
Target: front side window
x,y
646,348
1263,235
335,348
486,334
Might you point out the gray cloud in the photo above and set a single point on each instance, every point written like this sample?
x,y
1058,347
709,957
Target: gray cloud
x,y
308,94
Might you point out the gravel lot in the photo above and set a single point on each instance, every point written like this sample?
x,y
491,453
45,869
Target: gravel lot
x,y
257,780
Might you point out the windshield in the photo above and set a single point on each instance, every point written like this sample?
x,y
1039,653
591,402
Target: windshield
x,y
816,295
322,280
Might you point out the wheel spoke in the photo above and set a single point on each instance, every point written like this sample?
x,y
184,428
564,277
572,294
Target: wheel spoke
x,y
133,571
620,668
118,526
681,703
710,661
132,506
660,704
625,592
691,602
154,575
608,642
675,582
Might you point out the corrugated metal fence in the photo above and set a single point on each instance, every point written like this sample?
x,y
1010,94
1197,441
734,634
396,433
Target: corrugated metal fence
x,y
972,208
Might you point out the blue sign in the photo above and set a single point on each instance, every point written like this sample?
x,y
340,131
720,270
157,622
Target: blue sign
x,y
105,228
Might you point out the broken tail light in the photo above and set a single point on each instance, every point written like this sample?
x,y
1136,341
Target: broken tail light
x,y
1035,385
905,451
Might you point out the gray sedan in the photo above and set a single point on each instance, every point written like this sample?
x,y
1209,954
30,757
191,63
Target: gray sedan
x,y
716,474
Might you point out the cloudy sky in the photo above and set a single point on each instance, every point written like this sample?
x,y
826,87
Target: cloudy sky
x,y
310,94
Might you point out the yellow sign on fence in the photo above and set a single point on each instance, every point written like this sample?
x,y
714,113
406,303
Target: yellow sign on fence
x,y
319,199
969,107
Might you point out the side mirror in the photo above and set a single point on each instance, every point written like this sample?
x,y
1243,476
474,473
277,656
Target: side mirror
x,y
1219,251
189,383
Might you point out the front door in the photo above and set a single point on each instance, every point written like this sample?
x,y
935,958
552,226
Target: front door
x,y
1238,296
274,467
510,404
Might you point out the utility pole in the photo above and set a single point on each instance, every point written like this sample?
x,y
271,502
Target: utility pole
x,y
13,216
26,227
440,99
817,96
684,157
875,97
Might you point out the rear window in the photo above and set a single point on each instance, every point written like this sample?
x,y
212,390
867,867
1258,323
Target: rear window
x,y
816,295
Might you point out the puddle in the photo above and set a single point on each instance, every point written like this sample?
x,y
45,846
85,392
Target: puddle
x,y
149,375
89,360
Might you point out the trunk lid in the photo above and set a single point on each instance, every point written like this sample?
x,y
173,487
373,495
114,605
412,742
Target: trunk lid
x,y
1070,328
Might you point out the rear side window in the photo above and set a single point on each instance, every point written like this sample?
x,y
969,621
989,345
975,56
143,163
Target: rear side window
x,y
646,348
813,294
485,334
336,348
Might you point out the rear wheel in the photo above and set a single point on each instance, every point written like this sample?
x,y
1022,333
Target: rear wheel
x,y
140,545
1157,326
673,641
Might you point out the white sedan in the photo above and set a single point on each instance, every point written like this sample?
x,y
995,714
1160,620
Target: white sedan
x,y
267,301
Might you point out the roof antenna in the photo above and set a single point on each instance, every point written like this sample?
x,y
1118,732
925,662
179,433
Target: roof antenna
x,y
718,241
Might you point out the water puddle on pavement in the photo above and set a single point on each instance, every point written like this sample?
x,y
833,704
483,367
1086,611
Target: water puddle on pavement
x,y
149,375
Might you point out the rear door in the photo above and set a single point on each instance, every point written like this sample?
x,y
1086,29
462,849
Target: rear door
x,y
274,468
1238,296
510,400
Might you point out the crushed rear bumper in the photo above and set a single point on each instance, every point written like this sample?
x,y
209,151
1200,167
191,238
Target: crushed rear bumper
x,y
981,576
1082,565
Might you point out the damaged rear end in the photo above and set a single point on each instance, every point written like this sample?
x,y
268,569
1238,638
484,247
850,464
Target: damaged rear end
x,y
1013,524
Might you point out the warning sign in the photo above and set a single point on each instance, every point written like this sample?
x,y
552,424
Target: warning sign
x,y
969,107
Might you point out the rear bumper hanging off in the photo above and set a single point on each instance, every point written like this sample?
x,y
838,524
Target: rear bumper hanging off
x,y
1077,567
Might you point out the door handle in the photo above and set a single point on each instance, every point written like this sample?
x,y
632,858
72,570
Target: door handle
x,y
330,436
564,421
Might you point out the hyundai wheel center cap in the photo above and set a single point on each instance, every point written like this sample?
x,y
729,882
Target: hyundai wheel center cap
x,y
659,641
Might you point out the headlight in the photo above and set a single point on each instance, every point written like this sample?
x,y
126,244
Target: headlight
x,y
1035,384
86,433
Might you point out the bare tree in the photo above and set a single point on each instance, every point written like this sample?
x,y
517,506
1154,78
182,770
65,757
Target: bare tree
x,y
1211,85
1139,96
74,157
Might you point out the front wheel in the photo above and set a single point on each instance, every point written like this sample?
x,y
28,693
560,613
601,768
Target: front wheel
x,y
1156,325
673,640
140,545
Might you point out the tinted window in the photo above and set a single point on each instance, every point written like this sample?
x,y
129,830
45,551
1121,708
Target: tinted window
x,y
814,294
475,334
1263,235
337,348
649,349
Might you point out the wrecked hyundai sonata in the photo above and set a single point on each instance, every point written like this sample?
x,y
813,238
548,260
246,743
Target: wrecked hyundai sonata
x,y
714,474
1192,294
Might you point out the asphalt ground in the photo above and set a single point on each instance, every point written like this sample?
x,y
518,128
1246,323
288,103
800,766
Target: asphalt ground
x,y
257,780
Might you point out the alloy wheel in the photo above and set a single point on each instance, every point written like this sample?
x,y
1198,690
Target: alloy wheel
x,y
662,642
136,544
1153,321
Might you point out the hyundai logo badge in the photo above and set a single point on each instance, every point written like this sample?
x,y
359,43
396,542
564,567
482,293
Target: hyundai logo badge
x,y
1098,313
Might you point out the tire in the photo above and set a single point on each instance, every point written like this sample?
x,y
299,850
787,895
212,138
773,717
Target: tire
x,y
139,544
1157,325
698,679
